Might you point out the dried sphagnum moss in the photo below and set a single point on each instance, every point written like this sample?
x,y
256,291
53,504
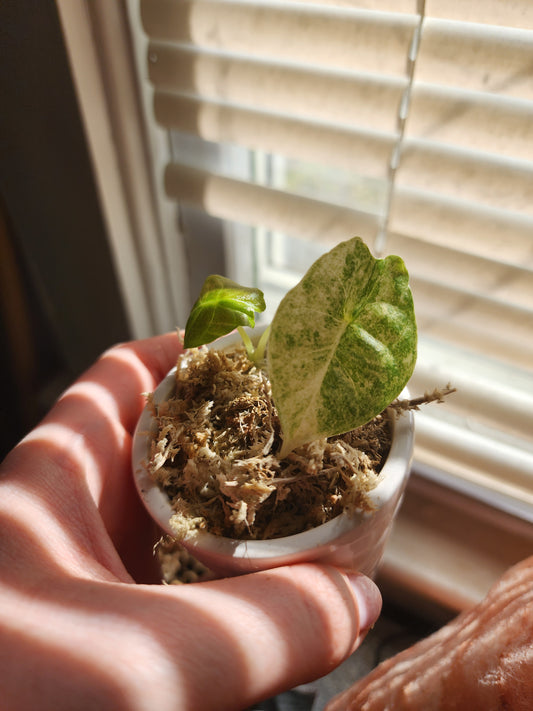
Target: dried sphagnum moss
x,y
214,454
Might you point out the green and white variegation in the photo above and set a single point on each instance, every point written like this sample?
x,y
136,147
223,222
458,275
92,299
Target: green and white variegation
x,y
342,344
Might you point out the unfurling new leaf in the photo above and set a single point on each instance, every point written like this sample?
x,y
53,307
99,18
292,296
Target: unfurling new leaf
x,y
222,306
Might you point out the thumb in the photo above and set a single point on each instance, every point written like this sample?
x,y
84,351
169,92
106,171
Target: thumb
x,y
269,631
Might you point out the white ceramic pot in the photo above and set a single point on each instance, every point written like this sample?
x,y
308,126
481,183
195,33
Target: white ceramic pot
x,y
351,541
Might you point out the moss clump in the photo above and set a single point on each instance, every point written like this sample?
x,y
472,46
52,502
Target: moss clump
x,y
215,454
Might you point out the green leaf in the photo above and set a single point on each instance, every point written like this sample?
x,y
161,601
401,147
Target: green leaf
x,y
342,344
222,306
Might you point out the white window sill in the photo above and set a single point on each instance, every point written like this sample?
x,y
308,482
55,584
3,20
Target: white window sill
x,y
446,550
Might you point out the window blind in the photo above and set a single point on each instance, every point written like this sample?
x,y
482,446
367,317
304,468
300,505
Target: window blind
x,y
409,123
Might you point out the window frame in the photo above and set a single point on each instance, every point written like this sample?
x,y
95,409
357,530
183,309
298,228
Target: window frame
x,y
127,150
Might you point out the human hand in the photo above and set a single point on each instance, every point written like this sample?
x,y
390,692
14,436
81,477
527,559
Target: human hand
x,y
81,627
481,661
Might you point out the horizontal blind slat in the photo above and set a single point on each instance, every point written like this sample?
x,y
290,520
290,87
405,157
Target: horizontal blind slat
x,y
486,401
294,91
473,322
477,57
441,265
508,13
467,175
472,120
330,37
361,151
252,204
500,235
388,6
495,465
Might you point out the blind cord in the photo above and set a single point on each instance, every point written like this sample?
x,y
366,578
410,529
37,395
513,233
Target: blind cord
x,y
403,113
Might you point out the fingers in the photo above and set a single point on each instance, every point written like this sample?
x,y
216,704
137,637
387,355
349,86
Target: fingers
x,y
119,378
106,401
369,603
259,634
219,645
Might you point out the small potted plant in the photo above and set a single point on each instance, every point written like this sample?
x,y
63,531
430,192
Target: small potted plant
x,y
287,443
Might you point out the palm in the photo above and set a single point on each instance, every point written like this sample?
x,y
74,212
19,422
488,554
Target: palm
x,y
84,479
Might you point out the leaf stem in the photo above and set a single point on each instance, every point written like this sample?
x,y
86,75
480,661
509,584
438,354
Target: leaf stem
x,y
256,355
247,342
261,346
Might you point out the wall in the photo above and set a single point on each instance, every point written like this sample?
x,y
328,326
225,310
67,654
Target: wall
x,y
59,301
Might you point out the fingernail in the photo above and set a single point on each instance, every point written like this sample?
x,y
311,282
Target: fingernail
x,y
368,600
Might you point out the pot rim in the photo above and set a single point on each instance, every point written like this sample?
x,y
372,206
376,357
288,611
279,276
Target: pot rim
x,y
392,478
